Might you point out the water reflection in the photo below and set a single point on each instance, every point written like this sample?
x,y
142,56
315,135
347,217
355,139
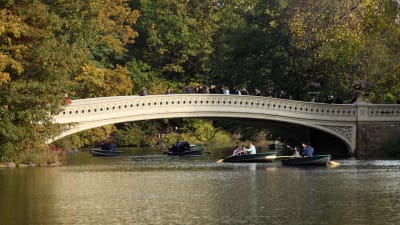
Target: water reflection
x,y
152,188
24,195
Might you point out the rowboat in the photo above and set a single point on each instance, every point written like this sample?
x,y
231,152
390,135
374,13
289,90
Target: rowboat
x,y
188,151
316,160
184,148
101,152
258,157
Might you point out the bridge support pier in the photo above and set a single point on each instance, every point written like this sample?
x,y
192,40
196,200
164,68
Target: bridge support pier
x,y
372,136
373,131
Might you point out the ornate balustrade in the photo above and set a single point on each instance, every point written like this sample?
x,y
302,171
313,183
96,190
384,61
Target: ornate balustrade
x,y
383,112
83,109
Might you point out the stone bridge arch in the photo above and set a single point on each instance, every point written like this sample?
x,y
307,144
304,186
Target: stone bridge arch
x,y
339,120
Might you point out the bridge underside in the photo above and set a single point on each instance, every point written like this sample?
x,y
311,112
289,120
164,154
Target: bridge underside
x,y
294,135
293,132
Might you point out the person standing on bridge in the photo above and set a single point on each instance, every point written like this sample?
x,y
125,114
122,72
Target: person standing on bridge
x,y
67,99
169,91
143,92
226,90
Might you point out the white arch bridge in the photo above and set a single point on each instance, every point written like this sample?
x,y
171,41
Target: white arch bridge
x,y
348,122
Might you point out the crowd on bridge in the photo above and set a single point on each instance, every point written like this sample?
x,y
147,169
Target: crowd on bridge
x,y
224,89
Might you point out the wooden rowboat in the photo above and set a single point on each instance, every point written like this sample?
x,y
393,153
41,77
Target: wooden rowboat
x,y
316,160
188,151
184,149
259,157
100,152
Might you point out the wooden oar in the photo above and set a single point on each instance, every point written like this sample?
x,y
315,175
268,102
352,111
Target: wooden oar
x,y
220,160
333,164
279,156
270,157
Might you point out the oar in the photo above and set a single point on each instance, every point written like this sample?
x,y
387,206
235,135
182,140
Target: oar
x,y
220,160
333,164
279,156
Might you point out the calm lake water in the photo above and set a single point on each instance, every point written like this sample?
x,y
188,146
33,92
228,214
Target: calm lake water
x,y
147,187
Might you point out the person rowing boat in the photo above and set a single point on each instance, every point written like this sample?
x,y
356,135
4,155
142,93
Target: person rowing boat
x,y
308,150
296,152
251,150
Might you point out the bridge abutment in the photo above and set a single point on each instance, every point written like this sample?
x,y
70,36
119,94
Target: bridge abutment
x,y
376,125
371,136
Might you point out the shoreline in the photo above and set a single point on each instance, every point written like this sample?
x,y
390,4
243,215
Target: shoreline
x,y
11,165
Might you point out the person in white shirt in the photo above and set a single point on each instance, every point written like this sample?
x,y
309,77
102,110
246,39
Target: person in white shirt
x,y
226,91
252,149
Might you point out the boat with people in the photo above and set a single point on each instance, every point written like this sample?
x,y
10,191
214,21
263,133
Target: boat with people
x,y
315,160
107,149
105,152
258,157
184,149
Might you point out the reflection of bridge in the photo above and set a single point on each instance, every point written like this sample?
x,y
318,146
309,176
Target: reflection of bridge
x,y
356,125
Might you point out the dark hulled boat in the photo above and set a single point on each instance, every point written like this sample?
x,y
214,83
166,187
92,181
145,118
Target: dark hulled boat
x,y
184,149
101,152
258,157
190,151
316,160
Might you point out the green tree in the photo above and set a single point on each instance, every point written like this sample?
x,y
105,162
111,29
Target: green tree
x,y
99,82
99,31
381,29
29,94
139,133
175,37
44,46
347,42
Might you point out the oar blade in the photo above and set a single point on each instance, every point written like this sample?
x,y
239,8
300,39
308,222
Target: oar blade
x,y
333,164
220,161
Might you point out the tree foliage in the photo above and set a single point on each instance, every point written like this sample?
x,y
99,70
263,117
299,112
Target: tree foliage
x,y
44,46
176,37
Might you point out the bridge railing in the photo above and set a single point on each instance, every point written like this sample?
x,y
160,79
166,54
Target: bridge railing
x,y
89,109
81,110
380,112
